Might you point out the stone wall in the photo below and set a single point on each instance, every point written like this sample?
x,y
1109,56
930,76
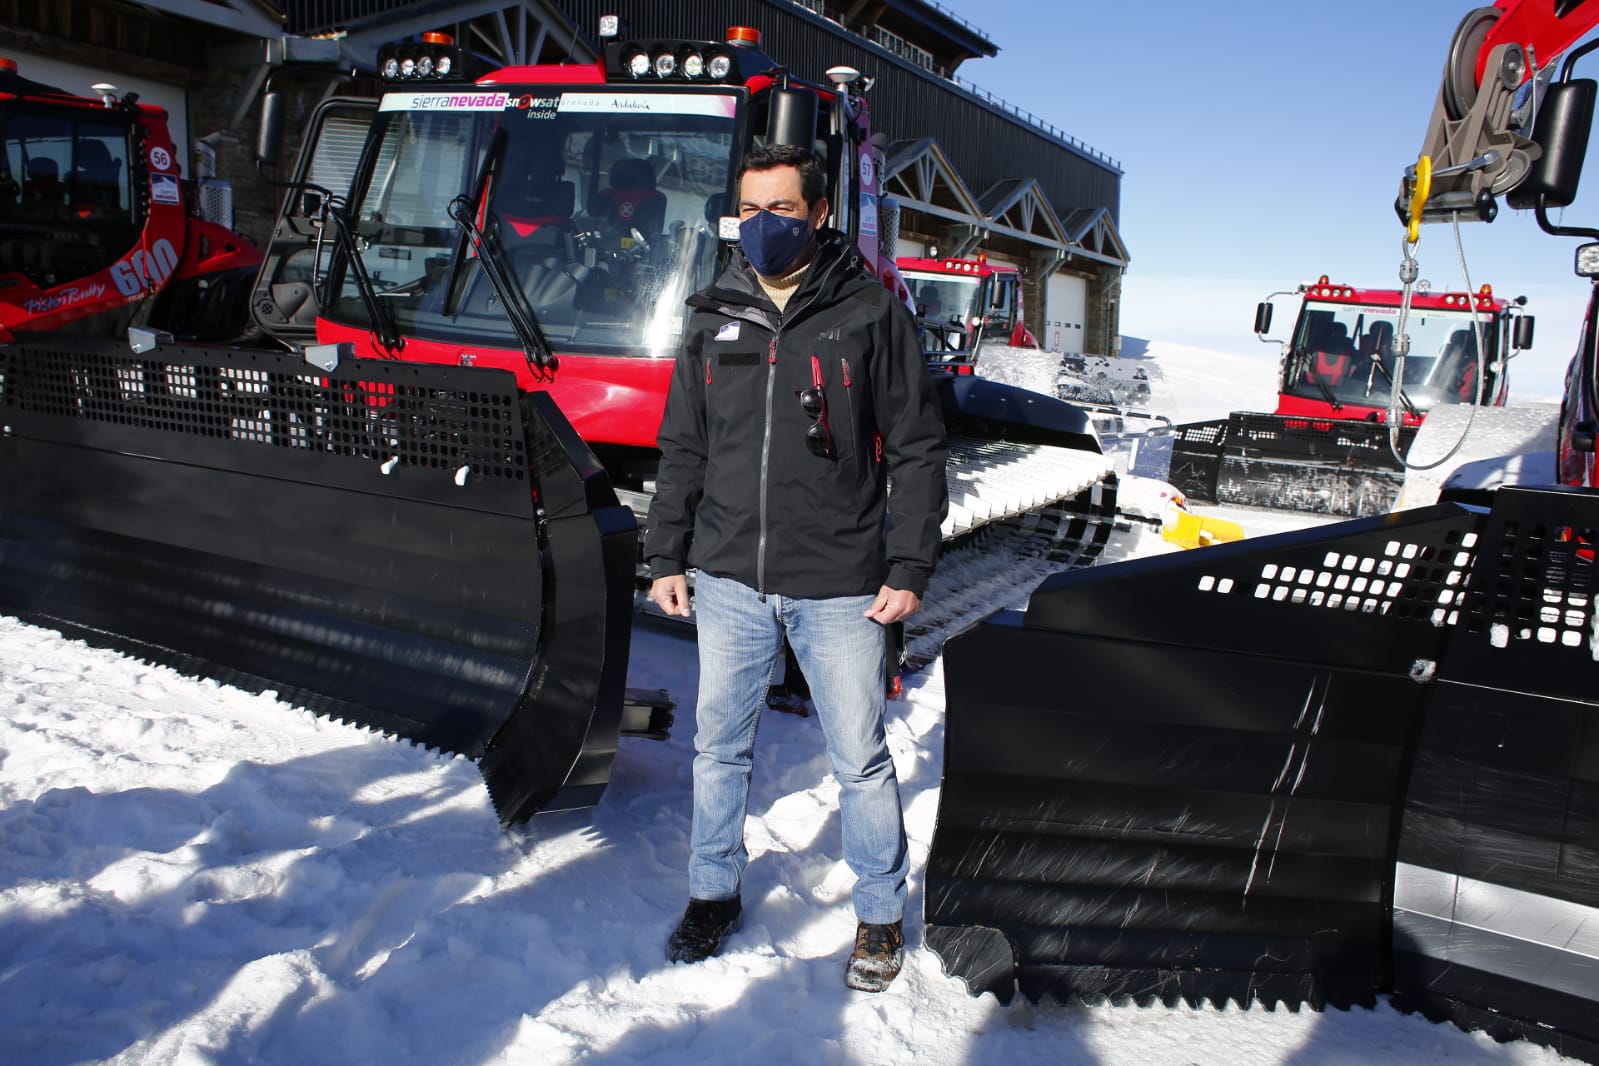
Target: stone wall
x,y
1103,316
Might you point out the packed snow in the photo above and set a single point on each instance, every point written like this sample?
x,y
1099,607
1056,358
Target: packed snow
x,y
1481,447
190,874
1189,384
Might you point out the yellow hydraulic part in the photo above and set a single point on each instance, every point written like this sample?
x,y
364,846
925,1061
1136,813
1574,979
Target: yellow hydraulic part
x,y
1418,197
1189,530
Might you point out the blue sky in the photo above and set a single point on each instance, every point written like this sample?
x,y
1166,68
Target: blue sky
x,y
1262,145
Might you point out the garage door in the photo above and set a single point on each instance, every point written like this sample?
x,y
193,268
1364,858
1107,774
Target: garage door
x,y
1065,313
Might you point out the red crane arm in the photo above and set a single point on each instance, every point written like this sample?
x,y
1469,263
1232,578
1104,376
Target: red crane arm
x,y
1544,27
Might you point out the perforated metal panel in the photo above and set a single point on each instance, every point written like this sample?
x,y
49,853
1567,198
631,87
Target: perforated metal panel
x,y
1408,579
216,201
390,418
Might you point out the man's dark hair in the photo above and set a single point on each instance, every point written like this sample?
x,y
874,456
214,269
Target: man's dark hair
x,y
813,178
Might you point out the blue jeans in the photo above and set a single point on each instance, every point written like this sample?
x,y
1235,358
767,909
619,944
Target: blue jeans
x,y
842,654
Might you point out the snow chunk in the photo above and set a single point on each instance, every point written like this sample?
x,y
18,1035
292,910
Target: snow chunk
x,y
1026,368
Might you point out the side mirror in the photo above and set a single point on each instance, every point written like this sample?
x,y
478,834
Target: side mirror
x,y
1561,131
1521,333
269,137
1263,318
1582,436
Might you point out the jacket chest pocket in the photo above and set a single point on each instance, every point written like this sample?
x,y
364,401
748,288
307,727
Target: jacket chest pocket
x,y
731,361
857,425
734,379
848,412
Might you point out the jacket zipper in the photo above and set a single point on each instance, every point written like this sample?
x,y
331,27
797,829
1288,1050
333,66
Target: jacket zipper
x,y
766,441
766,457
849,408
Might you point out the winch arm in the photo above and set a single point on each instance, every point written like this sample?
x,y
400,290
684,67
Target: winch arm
x,y
1477,142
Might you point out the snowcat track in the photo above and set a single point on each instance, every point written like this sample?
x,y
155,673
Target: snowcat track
x,y
1336,763
419,550
1004,561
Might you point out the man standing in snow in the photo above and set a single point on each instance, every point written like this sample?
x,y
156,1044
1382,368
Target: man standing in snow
x,y
799,389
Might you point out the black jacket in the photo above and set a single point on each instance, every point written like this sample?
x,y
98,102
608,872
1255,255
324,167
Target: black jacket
x,y
740,495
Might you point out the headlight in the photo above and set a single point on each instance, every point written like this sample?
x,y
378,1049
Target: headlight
x,y
436,58
1588,260
667,59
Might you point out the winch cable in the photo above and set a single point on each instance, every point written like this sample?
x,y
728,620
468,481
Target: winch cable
x,y
1408,272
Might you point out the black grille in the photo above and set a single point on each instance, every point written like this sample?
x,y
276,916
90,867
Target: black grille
x,y
385,417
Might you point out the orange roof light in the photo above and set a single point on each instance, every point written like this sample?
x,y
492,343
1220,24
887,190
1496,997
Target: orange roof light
x,y
435,37
744,36
9,65
1486,290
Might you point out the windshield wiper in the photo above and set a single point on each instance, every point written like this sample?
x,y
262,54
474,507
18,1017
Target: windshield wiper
x,y
383,324
491,256
1321,383
1376,365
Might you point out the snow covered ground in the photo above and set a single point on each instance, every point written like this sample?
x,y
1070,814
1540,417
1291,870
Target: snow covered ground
x,y
190,874
1197,384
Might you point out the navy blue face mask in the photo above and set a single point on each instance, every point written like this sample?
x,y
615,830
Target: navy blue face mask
x,y
773,242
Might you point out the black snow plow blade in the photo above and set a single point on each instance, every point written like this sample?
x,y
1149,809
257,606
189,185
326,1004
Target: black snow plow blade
x,y
416,549
1322,466
1305,769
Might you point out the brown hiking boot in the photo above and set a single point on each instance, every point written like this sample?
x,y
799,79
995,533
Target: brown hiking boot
x,y
780,697
705,924
879,953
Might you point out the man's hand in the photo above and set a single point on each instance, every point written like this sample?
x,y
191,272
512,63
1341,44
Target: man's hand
x,y
893,605
671,594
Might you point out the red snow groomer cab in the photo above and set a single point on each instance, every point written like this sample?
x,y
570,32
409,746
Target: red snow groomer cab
x,y
96,225
1341,361
968,301
1348,404
552,220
